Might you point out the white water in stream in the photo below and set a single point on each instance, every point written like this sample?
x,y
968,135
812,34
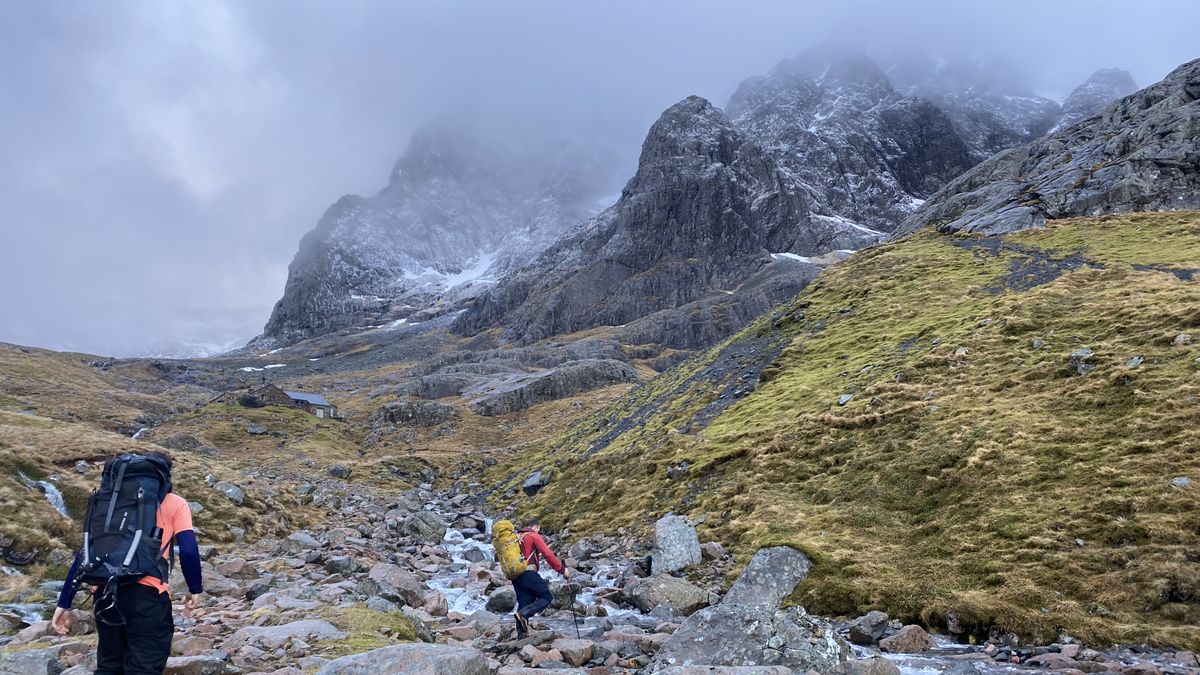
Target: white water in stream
x,y
52,493
451,580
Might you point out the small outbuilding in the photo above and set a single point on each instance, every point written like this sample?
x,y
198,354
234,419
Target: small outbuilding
x,y
269,394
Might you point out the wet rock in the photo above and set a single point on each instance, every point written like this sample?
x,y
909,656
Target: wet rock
x,y
502,600
1181,482
1053,660
413,659
676,545
873,666
425,527
82,466
867,629
231,491
339,471
680,596
273,637
910,639
845,398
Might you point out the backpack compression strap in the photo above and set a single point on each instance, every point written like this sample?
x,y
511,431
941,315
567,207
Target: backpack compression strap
x,y
137,536
116,491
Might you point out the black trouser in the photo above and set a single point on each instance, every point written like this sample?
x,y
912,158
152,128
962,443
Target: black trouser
x,y
135,632
533,595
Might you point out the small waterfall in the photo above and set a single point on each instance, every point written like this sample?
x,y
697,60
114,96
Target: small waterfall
x,y
53,495
137,435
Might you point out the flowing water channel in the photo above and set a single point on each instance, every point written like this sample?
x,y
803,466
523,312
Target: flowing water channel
x,y
466,550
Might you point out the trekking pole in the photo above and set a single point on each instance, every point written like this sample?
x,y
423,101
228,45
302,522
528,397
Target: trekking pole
x,y
574,617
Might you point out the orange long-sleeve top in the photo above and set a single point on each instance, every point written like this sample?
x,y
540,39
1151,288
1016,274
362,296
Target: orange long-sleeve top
x,y
533,548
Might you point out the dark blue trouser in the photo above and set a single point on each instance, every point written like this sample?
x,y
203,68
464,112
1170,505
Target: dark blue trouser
x,y
533,595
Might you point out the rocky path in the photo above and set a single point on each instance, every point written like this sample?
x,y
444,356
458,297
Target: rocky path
x,y
407,581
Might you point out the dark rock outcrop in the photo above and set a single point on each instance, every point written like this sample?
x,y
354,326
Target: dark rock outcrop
x,y
454,217
526,390
747,628
1141,153
1101,89
409,413
988,101
818,157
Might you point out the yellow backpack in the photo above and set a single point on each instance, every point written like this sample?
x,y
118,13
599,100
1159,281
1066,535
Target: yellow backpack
x,y
507,543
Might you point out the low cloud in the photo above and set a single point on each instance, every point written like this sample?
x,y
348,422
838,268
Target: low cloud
x,y
162,160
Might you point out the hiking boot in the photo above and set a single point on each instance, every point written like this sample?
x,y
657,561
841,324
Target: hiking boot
x,y
522,626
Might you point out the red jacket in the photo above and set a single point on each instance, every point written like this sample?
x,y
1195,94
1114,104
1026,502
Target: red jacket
x,y
533,548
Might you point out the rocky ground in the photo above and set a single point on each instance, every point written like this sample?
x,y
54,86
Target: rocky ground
x,y
397,583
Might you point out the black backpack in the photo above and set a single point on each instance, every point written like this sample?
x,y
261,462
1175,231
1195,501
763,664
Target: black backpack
x,y
121,538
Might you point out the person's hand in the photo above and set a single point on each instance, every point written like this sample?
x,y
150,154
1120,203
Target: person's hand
x,y
61,621
191,601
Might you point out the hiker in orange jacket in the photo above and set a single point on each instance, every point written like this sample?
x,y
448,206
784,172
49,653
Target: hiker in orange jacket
x,y
533,595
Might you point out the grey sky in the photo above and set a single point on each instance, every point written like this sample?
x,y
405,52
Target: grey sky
x,y
159,161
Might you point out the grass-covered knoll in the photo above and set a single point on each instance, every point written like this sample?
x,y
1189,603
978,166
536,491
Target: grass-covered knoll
x,y
974,469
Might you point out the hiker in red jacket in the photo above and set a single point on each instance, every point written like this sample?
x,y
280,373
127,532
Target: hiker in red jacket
x,y
533,595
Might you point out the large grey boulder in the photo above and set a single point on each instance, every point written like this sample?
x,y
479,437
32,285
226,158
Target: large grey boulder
x,y
770,577
397,584
676,545
412,659
747,628
748,635
678,595
234,493
868,628
425,527
273,637
1138,154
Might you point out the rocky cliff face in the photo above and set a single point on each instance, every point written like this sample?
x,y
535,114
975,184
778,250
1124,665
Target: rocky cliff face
x,y
727,212
453,217
1102,88
837,127
990,106
1141,153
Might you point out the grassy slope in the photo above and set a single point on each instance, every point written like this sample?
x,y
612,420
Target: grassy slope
x,y
964,483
